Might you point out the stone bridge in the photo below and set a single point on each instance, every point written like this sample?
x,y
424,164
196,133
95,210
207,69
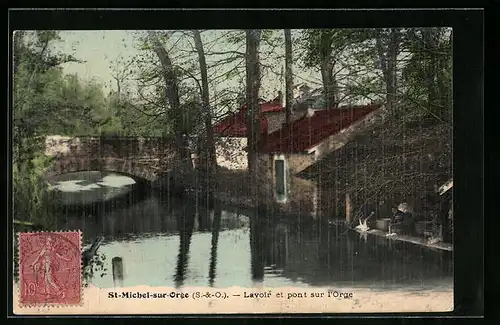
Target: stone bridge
x,y
141,158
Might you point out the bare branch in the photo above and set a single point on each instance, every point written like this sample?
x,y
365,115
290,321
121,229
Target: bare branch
x,y
241,54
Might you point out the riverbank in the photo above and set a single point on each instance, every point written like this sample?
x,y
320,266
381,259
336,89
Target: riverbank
x,y
408,239
234,187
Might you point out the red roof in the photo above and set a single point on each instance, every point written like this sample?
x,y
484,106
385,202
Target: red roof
x,y
306,132
235,125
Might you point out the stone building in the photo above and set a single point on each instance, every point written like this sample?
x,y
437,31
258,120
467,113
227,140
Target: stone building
x,y
382,166
231,132
286,152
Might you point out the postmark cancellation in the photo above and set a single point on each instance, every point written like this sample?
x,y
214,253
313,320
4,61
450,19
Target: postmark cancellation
x,y
50,268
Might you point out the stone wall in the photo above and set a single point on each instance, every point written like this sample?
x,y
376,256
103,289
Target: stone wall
x,y
230,150
147,158
301,194
230,153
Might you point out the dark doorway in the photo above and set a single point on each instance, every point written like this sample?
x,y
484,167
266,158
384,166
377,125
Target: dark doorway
x,y
279,171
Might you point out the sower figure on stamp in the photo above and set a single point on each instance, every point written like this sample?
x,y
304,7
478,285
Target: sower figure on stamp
x,y
46,257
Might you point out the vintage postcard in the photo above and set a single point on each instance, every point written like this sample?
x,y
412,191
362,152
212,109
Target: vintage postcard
x,y
232,171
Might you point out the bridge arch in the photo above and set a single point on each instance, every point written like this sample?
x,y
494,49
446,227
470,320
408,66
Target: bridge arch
x,y
140,158
54,176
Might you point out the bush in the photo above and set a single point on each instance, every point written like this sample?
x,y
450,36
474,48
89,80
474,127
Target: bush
x,y
33,199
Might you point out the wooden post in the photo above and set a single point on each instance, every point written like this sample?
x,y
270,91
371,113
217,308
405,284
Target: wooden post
x,y
117,264
347,208
315,198
444,210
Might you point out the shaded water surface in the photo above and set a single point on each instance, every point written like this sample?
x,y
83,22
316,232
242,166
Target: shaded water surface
x,y
162,241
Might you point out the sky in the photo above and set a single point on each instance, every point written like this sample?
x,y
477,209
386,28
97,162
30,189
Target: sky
x,y
100,48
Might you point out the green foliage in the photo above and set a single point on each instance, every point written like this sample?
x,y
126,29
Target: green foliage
x,y
48,102
322,44
44,102
130,120
156,114
33,200
428,73
423,67
82,108
96,267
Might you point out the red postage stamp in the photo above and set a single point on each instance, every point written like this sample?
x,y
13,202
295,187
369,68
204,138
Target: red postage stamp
x,y
50,268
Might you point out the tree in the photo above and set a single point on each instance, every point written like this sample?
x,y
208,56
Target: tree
x,y
388,62
322,49
288,74
170,79
205,95
132,116
252,97
427,75
331,51
37,84
122,70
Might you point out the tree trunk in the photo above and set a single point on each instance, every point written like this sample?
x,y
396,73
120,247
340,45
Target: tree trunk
x,y
327,66
442,78
172,95
215,240
118,88
288,75
348,209
388,64
329,84
205,96
252,108
428,37
392,57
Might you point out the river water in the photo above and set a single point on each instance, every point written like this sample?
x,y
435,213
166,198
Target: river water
x,y
175,242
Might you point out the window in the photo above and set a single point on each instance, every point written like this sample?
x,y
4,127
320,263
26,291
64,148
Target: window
x,y
280,179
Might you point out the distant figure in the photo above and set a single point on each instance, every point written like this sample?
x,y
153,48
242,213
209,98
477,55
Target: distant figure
x,y
402,221
404,207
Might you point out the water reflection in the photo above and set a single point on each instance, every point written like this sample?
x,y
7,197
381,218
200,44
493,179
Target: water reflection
x,y
163,241
257,249
214,244
92,186
185,217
